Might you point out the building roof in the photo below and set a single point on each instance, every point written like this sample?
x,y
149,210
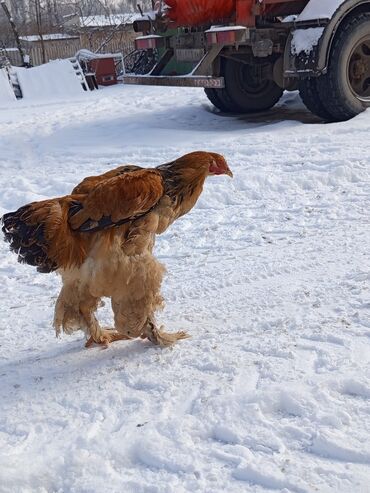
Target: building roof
x,y
47,37
94,21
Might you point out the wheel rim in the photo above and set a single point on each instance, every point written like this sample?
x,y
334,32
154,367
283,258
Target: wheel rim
x,y
359,69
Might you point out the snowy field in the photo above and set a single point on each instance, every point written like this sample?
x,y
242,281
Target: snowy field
x,y
270,275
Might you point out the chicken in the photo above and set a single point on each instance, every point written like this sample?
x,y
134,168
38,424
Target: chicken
x,y
100,240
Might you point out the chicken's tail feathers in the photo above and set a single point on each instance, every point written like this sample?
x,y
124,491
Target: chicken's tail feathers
x,y
26,238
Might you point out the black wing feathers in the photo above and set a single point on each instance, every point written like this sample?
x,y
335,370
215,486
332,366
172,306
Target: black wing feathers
x,y
27,240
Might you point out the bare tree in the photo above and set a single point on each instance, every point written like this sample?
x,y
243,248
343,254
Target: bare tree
x,y
15,31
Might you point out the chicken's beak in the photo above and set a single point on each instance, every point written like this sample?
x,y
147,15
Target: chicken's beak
x,y
229,173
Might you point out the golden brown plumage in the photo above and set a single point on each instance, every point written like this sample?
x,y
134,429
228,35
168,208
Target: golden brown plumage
x,y
100,239
90,182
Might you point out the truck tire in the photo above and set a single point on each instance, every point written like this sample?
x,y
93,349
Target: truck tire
x,y
310,96
221,100
247,89
345,87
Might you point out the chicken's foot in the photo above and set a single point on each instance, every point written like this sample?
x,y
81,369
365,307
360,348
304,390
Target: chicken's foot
x,y
105,337
161,338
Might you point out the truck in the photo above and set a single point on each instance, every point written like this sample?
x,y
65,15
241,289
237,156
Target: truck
x,y
246,53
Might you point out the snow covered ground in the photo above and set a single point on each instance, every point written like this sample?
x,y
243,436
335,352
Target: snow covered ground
x,y
270,274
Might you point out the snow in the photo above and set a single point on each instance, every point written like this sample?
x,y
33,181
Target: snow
x,y
53,80
89,55
305,39
149,36
112,20
217,29
269,274
6,91
319,9
48,37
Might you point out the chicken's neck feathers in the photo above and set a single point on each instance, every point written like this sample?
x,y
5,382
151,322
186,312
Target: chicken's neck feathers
x,y
183,186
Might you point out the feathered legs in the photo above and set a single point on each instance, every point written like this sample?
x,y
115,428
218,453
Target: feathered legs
x,y
75,310
135,296
134,306
88,306
134,322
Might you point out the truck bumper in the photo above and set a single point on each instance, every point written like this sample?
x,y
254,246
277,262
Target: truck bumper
x,y
175,80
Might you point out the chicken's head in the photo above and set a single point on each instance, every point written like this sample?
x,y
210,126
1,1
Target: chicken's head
x,y
199,163
218,165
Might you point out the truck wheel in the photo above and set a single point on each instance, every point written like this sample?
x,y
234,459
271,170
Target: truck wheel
x,y
310,96
345,87
248,89
221,100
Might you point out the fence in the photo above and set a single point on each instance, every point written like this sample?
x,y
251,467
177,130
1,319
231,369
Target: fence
x,y
120,43
14,56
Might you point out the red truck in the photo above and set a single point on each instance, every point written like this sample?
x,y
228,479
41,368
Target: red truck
x,y
245,53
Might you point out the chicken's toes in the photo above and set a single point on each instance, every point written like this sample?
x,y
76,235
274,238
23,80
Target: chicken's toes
x,y
89,342
164,339
105,338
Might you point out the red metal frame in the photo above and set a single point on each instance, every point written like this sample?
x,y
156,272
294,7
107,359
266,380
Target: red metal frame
x,y
225,37
247,10
148,42
269,2
276,7
244,13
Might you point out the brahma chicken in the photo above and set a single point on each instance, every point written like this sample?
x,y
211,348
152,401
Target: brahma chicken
x,y
100,239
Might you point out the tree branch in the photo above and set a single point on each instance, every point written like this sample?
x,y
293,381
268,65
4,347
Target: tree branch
x,y
15,31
